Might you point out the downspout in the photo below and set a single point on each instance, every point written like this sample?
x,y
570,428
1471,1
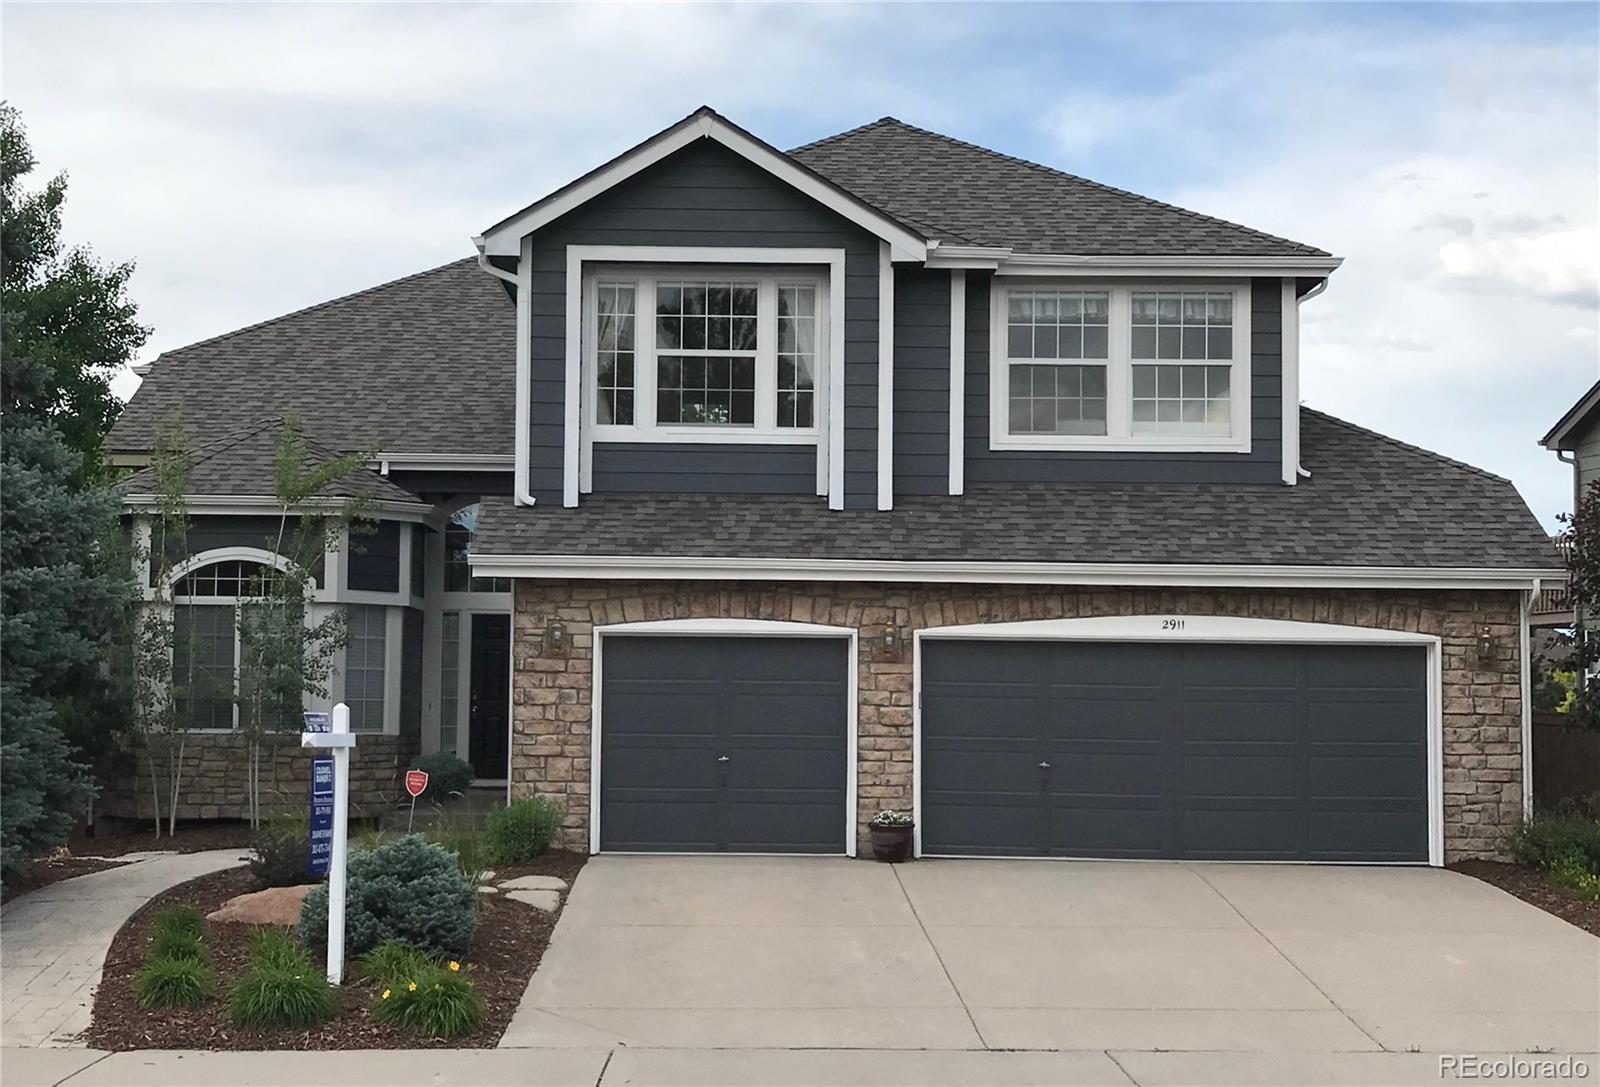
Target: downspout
x,y
1322,285
1526,605
522,280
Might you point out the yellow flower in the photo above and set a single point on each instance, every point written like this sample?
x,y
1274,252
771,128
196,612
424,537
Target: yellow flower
x,y
454,965
386,994
412,988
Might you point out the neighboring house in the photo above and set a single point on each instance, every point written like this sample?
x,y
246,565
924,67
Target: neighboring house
x,y
749,493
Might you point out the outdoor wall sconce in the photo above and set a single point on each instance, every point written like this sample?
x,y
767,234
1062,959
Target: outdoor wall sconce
x,y
891,642
1485,645
555,639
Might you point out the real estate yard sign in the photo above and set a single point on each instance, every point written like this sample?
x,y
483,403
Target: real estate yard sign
x,y
321,855
332,783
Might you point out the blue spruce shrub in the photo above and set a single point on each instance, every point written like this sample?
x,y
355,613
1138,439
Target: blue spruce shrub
x,y
409,890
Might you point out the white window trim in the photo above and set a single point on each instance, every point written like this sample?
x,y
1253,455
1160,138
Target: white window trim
x,y
578,440
1119,371
1205,629
744,628
645,428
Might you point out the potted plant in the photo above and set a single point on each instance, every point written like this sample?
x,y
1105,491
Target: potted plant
x,y
891,836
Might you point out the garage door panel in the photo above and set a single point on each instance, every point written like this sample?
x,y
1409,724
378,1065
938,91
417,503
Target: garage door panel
x,y
1180,750
1224,720
1239,833
1127,830
1127,770
1370,775
982,825
1121,715
724,743
965,710
1237,774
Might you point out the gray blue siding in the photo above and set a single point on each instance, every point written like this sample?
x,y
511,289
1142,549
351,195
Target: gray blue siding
x,y
704,469
1263,464
921,381
705,195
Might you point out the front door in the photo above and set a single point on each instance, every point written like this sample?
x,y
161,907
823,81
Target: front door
x,y
489,715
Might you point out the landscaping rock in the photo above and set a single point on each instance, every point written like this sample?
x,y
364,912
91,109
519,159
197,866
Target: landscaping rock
x,y
274,906
485,889
548,901
535,883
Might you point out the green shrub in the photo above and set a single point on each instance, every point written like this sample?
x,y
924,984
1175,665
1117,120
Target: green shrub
x,y
173,983
446,774
459,835
1545,840
177,932
281,852
409,890
392,961
1571,871
178,921
275,950
271,997
522,830
440,1001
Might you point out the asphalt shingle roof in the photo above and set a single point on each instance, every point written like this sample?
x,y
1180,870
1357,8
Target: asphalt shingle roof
x,y
245,463
960,192
1370,501
422,364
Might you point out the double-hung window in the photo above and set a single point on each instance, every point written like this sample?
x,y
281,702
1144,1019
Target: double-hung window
x,y
690,354
1124,367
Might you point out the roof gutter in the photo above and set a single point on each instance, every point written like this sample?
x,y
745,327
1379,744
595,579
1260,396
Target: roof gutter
x,y
1176,575
522,279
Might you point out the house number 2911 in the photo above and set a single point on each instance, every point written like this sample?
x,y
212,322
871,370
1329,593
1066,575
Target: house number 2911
x,y
1172,624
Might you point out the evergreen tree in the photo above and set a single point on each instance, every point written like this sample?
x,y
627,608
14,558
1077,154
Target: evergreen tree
x,y
65,327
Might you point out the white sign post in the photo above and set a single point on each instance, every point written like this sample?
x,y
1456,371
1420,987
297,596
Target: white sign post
x,y
339,741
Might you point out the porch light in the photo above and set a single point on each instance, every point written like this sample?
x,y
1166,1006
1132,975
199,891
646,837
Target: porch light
x,y
555,638
1485,645
889,642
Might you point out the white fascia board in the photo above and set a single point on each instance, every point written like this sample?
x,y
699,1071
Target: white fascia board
x,y
254,504
438,462
976,257
1052,264
958,380
1176,575
885,377
504,240
1289,348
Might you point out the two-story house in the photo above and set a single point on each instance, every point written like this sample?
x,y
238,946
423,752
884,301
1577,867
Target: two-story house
x,y
730,495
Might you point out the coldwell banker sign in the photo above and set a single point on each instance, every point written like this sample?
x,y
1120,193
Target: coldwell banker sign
x,y
321,854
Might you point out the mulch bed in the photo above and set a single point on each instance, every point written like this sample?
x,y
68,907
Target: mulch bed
x,y
1530,885
506,948
47,870
120,838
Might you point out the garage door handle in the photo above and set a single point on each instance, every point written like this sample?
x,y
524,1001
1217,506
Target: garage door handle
x,y
722,758
1044,766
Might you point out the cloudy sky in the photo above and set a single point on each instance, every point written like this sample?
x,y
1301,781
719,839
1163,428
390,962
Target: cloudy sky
x,y
256,159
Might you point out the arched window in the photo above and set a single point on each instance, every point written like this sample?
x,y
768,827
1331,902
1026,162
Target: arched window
x,y
458,537
228,578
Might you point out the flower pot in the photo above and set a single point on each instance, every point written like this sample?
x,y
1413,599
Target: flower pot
x,y
892,845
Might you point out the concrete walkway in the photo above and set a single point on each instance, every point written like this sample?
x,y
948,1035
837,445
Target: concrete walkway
x,y
626,1067
753,952
53,941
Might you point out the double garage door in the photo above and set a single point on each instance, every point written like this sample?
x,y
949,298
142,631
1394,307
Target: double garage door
x,y
1028,748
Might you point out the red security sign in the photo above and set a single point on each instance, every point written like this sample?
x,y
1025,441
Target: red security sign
x,y
416,782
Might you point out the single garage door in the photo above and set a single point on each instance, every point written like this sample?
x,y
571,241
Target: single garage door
x,y
1245,752
712,744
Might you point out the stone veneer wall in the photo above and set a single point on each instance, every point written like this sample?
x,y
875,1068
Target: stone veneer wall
x,y
215,776
551,693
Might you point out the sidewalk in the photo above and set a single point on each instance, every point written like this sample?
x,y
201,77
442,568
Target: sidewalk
x,y
53,941
725,1068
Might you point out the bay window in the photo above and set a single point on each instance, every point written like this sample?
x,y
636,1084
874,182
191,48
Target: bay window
x,y
1127,367
704,355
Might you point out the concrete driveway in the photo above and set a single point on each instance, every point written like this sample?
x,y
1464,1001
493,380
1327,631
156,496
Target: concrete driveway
x,y
755,952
